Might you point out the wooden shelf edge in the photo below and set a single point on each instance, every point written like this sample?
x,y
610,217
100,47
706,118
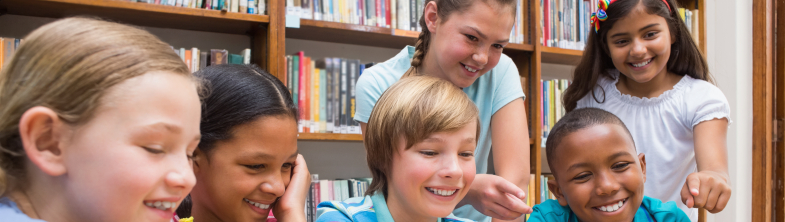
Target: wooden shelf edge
x,y
519,47
168,9
345,26
562,51
330,137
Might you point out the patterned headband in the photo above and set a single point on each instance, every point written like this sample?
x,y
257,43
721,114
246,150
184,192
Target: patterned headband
x,y
600,15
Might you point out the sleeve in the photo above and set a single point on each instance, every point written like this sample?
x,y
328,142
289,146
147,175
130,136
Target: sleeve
x,y
664,212
368,92
327,212
706,102
507,85
549,211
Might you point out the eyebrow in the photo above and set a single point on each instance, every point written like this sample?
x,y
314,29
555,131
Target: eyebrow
x,y
485,37
644,28
611,157
263,155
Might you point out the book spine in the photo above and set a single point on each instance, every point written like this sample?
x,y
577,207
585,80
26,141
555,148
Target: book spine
x,y
378,14
412,15
353,66
336,95
187,59
322,101
195,53
314,109
300,92
344,99
307,95
329,87
393,13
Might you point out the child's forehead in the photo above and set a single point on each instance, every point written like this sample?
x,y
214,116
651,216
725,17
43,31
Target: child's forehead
x,y
595,143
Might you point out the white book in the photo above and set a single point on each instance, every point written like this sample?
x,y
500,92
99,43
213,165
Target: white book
x,y
243,6
179,3
235,6
194,59
247,56
262,8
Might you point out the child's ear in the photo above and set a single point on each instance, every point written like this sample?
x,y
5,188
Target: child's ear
x,y
42,133
431,16
198,158
554,187
642,159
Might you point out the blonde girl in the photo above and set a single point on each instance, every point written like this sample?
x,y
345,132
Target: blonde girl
x,y
97,124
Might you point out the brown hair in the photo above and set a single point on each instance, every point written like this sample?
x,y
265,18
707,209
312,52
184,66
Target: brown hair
x,y
67,66
685,58
412,109
444,9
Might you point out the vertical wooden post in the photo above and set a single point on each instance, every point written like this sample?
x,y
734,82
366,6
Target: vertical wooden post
x,y
762,29
536,100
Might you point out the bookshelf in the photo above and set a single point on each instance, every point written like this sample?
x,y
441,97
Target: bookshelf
x,y
269,35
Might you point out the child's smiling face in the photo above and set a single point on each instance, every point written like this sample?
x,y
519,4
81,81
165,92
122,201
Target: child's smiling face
x,y
597,169
430,178
130,161
640,45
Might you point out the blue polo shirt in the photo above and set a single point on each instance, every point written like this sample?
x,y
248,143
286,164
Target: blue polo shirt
x,y
651,210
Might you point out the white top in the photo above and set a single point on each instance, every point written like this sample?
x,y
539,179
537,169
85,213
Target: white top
x,y
662,128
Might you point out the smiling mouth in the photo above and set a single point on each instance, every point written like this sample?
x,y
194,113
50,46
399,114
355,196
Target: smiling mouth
x,y
612,207
258,205
469,68
162,205
642,64
440,192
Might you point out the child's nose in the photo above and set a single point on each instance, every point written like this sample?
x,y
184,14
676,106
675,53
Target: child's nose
x,y
273,185
182,178
451,168
606,185
638,49
481,57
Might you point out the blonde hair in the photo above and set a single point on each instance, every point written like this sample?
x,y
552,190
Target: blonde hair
x,y
67,66
413,109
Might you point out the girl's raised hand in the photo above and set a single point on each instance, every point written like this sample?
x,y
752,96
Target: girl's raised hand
x,y
707,190
291,205
496,197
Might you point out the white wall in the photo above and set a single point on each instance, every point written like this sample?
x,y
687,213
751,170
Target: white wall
x,y
729,46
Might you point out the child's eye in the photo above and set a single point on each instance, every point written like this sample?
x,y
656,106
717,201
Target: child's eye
x,y
650,34
620,42
620,166
467,154
287,166
498,46
428,153
254,167
471,37
581,177
153,150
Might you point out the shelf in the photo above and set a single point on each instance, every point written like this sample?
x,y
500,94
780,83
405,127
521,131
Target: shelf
x,y
330,137
561,56
518,47
348,34
142,14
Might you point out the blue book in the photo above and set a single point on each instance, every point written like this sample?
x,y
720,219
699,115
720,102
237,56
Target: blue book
x,y
322,100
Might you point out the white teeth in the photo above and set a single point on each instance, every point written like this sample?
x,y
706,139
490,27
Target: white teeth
x,y
161,205
469,68
441,192
642,64
613,207
602,208
157,204
259,205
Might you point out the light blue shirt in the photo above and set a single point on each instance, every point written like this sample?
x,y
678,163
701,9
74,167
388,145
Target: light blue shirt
x,y
10,212
363,209
490,92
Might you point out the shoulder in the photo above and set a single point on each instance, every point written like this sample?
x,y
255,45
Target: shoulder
x,y
453,218
352,209
697,90
664,212
550,210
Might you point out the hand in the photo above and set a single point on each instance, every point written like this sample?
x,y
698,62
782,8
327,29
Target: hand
x,y
706,189
291,206
496,197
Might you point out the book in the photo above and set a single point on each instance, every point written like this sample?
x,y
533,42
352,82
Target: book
x,y
322,101
301,89
344,96
336,70
235,59
218,56
195,59
329,94
2,53
204,57
187,59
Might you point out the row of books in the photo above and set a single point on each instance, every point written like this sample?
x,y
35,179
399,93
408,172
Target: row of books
x,y
397,14
7,48
545,193
196,59
239,6
565,23
332,190
552,108
690,18
324,92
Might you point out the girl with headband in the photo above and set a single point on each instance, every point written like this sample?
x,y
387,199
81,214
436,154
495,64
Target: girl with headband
x,y
642,65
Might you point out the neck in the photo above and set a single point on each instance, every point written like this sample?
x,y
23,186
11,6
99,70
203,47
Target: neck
x,y
651,89
429,67
400,212
44,202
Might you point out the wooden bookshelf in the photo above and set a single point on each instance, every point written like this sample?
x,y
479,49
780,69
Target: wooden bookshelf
x,y
330,137
139,14
348,34
561,56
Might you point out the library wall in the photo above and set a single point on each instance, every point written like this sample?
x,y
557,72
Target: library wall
x,y
729,46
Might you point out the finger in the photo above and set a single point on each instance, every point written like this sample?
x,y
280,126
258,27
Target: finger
x,y
711,199
705,189
686,195
693,184
516,204
504,213
509,187
722,201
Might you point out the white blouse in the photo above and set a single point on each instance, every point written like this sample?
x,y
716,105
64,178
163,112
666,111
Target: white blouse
x,y
662,128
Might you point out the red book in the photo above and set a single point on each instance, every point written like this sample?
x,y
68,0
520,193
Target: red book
x,y
308,86
378,13
387,17
301,87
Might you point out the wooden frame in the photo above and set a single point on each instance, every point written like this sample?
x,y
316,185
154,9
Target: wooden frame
x,y
762,63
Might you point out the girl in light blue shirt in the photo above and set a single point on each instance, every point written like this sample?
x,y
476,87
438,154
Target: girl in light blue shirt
x,y
462,42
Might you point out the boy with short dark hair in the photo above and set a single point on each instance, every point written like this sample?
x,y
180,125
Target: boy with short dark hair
x,y
598,175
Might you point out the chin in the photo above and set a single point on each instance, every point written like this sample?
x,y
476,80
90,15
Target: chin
x,y
441,211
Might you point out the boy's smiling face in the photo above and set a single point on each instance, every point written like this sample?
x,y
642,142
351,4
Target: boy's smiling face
x,y
597,170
